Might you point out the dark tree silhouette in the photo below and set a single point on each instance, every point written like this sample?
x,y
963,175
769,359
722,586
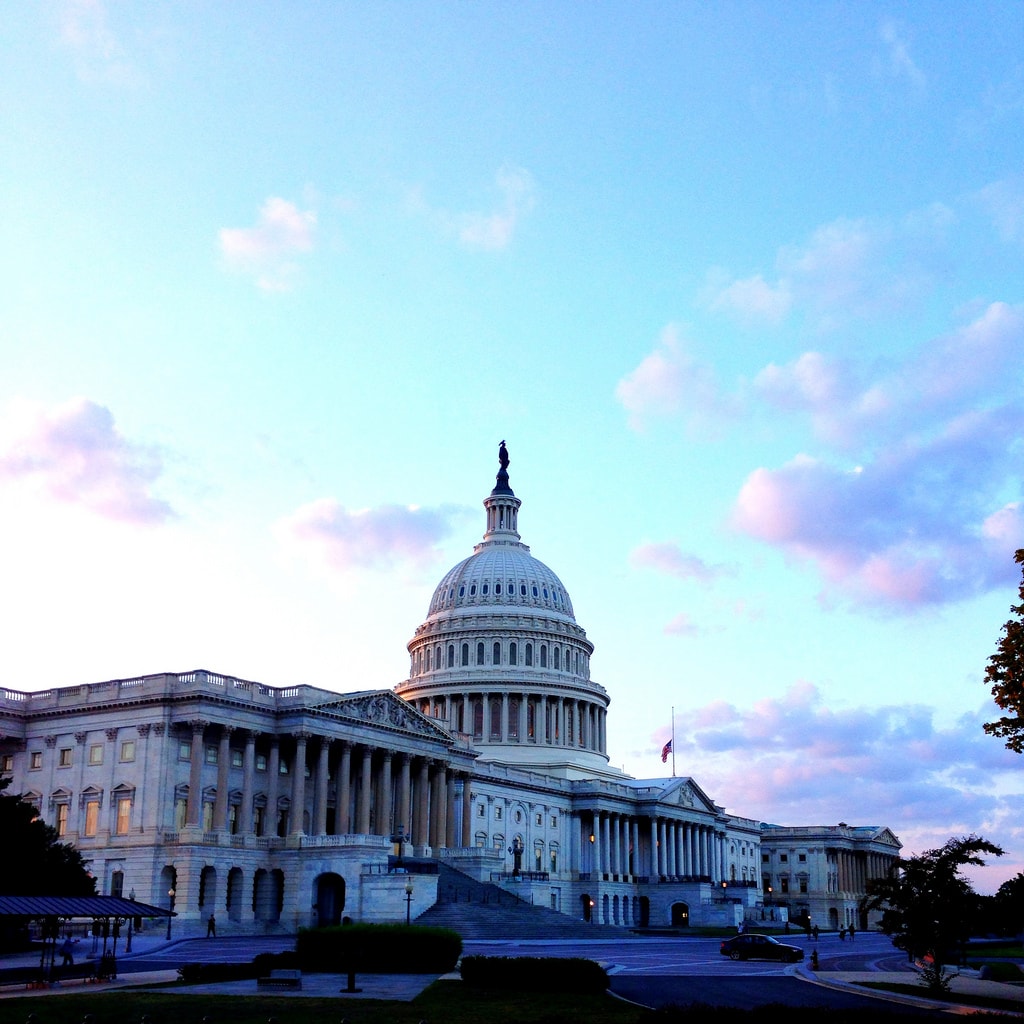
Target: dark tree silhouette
x,y
1005,672
35,861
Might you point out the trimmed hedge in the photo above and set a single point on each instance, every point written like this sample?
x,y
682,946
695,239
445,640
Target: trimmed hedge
x,y
534,973
378,949
259,967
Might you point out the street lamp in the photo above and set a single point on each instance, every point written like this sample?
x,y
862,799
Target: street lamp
x,y
170,897
128,945
408,900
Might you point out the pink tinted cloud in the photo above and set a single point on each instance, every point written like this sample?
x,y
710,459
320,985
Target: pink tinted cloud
x,y
671,381
267,250
374,538
671,560
73,453
798,761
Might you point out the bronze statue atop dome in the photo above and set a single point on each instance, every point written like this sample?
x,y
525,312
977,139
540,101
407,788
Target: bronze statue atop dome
x,y
501,486
503,458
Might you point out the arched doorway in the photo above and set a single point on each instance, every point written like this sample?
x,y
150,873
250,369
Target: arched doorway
x,y
587,905
329,902
645,912
680,915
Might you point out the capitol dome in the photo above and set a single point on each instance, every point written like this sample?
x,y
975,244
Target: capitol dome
x,y
500,657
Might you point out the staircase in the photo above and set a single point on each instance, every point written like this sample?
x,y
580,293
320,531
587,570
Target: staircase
x,y
481,910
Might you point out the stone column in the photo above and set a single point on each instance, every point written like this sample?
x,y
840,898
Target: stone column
x,y
635,868
404,821
320,788
384,816
450,838
421,823
194,807
248,768
273,784
343,790
298,800
363,796
467,811
220,807
654,850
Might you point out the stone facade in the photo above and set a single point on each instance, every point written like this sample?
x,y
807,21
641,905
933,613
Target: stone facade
x,y
280,808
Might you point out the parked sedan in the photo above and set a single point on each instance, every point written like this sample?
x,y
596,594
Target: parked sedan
x,y
760,947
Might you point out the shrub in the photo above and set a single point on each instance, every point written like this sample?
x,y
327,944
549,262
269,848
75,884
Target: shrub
x,y
378,949
534,974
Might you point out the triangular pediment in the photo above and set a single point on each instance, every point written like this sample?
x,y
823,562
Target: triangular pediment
x,y
382,708
683,792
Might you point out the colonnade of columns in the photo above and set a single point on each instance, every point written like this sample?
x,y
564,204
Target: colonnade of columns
x,y
624,845
376,791
520,716
856,867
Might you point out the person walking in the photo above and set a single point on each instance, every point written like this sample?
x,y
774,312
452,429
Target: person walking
x,y
211,928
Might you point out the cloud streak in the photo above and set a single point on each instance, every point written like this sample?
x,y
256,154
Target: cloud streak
x,y
268,250
74,454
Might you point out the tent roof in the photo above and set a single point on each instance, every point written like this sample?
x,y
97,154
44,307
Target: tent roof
x,y
77,906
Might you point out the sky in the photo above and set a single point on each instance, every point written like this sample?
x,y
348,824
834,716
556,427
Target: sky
x,y
741,284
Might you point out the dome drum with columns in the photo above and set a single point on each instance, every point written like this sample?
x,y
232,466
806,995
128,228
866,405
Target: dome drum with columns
x,y
501,658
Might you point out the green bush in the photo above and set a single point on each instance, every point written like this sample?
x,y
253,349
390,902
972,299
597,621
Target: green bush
x,y
534,973
378,949
259,967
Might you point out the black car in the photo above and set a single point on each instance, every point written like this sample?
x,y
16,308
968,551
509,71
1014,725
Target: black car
x,y
760,947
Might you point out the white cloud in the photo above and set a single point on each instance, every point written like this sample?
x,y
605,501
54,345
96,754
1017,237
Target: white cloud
x,y
670,559
899,64
752,300
494,230
86,33
326,533
670,381
267,251
73,453
1004,201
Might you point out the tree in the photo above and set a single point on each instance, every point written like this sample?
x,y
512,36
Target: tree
x,y
1005,672
34,860
927,906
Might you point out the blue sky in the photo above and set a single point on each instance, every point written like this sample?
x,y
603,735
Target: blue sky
x,y
741,285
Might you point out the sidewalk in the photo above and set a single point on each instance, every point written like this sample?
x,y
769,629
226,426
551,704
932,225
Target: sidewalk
x,y
966,984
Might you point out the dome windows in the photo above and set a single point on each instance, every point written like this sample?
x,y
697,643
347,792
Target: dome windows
x,y
522,590
472,590
497,588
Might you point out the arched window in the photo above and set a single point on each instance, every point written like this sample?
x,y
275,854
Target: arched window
x,y
513,718
478,719
437,656
543,656
512,653
480,653
428,659
496,656
451,655
529,654
557,653
495,719
465,654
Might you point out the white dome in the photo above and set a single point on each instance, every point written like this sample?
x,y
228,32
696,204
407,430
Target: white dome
x,y
505,577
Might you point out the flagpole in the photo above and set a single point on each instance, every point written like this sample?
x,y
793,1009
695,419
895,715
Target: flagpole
x,y
673,741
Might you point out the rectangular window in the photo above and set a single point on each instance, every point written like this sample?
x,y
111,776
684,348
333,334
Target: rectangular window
x,y
92,817
7,763
803,885
480,810
261,762
124,815
96,754
554,821
64,758
211,754
128,750
540,821
802,858
185,750
207,816
259,820
236,759
35,759
497,812
62,819
180,809
764,858
784,857
233,819
784,883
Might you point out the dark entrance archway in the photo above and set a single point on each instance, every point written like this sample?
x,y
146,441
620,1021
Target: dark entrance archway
x,y
645,912
588,906
680,915
330,899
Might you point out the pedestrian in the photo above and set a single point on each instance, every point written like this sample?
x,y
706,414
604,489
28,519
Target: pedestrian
x,y
852,933
67,951
211,928
842,934
814,933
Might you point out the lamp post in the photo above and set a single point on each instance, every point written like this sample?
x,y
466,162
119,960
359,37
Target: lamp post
x,y
170,898
516,849
408,901
128,944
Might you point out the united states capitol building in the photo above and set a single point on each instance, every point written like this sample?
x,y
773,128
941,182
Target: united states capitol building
x,y
277,808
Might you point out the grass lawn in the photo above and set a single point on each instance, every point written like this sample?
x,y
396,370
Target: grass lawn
x,y
447,1001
